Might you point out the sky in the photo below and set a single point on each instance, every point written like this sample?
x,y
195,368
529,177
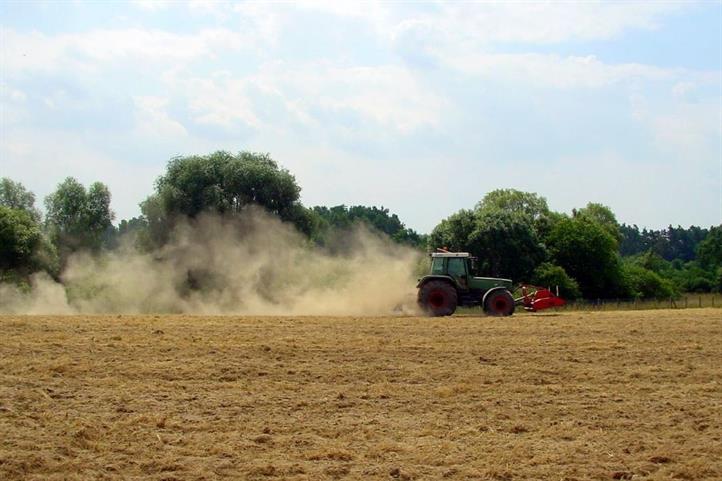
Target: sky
x,y
420,107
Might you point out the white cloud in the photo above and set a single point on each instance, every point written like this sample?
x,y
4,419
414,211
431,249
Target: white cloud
x,y
35,51
42,159
428,66
548,70
550,22
651,193
388,96
12,104
153,121
220,99
690,131
391,96
152,5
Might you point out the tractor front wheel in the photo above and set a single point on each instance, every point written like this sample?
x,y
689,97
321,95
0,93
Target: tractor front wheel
x,y
499,303
438,298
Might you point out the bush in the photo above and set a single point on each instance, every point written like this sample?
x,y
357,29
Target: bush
x,y
644,283
588,252
700,284
550,275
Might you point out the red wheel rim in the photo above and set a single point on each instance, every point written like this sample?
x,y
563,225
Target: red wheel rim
x,y
501,304
436,298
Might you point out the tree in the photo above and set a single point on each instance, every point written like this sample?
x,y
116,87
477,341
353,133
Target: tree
x,y
515,201
78,218
504,241
527,205
225,184
631,242
709,251
134,228
454,232
20,237
588,253
645,283
340,217
670,243
506,245
602,215
15,196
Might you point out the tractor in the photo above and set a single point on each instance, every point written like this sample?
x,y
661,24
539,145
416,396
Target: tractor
x,y
451,283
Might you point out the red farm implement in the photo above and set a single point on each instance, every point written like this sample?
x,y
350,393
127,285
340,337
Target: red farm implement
x,y
534,298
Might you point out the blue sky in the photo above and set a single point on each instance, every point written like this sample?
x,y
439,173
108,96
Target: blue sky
x,y
419,107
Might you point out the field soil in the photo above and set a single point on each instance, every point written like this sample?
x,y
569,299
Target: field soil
x,y
568,396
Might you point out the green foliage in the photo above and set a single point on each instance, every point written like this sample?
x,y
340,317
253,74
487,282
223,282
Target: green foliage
x,y
133,225
15,196
692,277
506,245
709,251
527,205
223,183
670,243
588,253
699,284
340,217
645,283
454,232
20,237
133,229
77,218
504,241
23,247
550,276
159,225
603,216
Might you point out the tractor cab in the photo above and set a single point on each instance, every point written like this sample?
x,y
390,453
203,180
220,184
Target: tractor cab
x,y
461,267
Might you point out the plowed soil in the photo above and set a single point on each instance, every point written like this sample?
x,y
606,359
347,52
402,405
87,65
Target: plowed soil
x,y
569,396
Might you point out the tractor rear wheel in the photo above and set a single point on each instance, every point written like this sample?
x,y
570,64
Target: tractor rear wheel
x,y
438,298
499,303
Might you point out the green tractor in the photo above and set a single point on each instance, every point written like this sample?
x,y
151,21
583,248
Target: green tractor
x,y
451,283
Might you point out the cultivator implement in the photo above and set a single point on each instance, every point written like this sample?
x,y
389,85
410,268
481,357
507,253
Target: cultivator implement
x,y
534,298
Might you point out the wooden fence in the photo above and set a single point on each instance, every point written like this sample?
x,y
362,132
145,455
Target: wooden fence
x,y
686,301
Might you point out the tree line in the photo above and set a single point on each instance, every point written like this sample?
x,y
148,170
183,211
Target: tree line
x,y
514,234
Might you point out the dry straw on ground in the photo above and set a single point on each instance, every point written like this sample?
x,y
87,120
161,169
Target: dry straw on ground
x,y
573,396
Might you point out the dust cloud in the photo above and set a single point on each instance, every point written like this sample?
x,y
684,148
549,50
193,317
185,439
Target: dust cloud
x,y
212,265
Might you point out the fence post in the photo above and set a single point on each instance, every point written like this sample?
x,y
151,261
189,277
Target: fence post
x,y
685,302
700,302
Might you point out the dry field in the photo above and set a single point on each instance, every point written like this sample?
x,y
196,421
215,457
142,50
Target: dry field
x,y
571,396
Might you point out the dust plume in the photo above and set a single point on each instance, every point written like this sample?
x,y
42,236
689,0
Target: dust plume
x,y
213,265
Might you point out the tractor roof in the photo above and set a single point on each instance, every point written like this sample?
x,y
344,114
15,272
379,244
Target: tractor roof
x,y
450,254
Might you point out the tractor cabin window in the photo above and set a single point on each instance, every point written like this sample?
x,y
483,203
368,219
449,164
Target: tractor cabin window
x,y
456,267
437,265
